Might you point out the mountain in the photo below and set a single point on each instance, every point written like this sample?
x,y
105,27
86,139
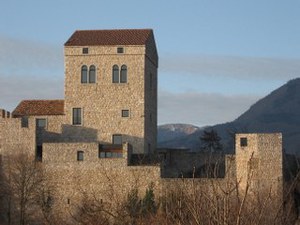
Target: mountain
x,y
277,112
169,132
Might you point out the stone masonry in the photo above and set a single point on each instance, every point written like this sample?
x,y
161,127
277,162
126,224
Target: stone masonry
x,y
74,137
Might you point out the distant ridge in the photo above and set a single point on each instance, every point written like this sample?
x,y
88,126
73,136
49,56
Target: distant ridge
x,y
277,112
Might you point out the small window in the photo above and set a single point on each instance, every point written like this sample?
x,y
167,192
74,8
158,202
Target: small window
x,y
92,74
120,50
123,75
84,74
117,155
85,51
41,123
108,154
125,113
101,154
76,116
3,113
24,121
243,142
79,155
117,139
115,75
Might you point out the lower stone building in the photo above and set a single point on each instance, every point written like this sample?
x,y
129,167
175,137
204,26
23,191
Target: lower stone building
x,y
252,180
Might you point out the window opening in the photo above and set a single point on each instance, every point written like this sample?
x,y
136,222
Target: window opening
x,y
24,121
120,50
80,155
84,74
76,116
92,74
41,123
125,113
85,51
117,139
115,74
123,75
243,142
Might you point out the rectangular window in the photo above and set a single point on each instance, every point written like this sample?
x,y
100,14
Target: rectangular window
x,y
24,121
117,139
41,123
117,155
243,142
79,155
120,50
85,51
125,113
76,116
3,113
101,154
108,154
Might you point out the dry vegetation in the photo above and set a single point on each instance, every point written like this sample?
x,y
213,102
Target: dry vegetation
x,y
27,197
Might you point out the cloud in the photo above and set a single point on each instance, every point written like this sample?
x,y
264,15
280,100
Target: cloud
x,y
232,66
29,70
14,88
201,108
17,56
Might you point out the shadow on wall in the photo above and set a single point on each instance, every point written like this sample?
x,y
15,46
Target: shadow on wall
x,y
70,134
77,134
185,164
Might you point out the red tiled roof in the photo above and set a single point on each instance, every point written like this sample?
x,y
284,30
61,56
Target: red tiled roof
x,y
109,37
39,108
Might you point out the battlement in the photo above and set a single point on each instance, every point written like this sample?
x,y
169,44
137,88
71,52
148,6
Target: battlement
x,y
5,114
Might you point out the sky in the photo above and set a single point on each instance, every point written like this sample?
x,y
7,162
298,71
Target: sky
x,y
216,58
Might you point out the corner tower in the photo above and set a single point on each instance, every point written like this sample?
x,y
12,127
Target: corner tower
x,y
259,169
111,86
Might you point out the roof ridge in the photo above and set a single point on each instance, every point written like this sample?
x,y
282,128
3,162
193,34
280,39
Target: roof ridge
x,y
109,37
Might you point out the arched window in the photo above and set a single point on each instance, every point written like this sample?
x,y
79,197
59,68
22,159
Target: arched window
x,y
92,74
123,76
115,74
84,75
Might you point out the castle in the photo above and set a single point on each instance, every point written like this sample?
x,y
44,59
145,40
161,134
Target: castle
x,y
109,115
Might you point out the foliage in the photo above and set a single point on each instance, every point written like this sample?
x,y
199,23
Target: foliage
x,y
211,141
149,205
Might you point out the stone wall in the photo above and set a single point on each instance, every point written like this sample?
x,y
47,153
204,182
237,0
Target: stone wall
x,y
261,159
259,166
15,139
107,180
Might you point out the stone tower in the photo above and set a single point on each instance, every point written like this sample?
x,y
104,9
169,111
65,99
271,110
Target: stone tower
x,y
259,165
111,86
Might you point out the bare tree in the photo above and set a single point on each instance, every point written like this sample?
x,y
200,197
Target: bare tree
x,y
25,184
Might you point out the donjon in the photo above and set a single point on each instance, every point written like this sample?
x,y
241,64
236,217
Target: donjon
x,y
111,86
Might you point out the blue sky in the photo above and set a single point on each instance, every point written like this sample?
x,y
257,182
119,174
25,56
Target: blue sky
x,y
216,57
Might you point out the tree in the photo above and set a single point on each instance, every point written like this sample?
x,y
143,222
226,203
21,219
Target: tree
x,y
149,205
210,141
25,184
